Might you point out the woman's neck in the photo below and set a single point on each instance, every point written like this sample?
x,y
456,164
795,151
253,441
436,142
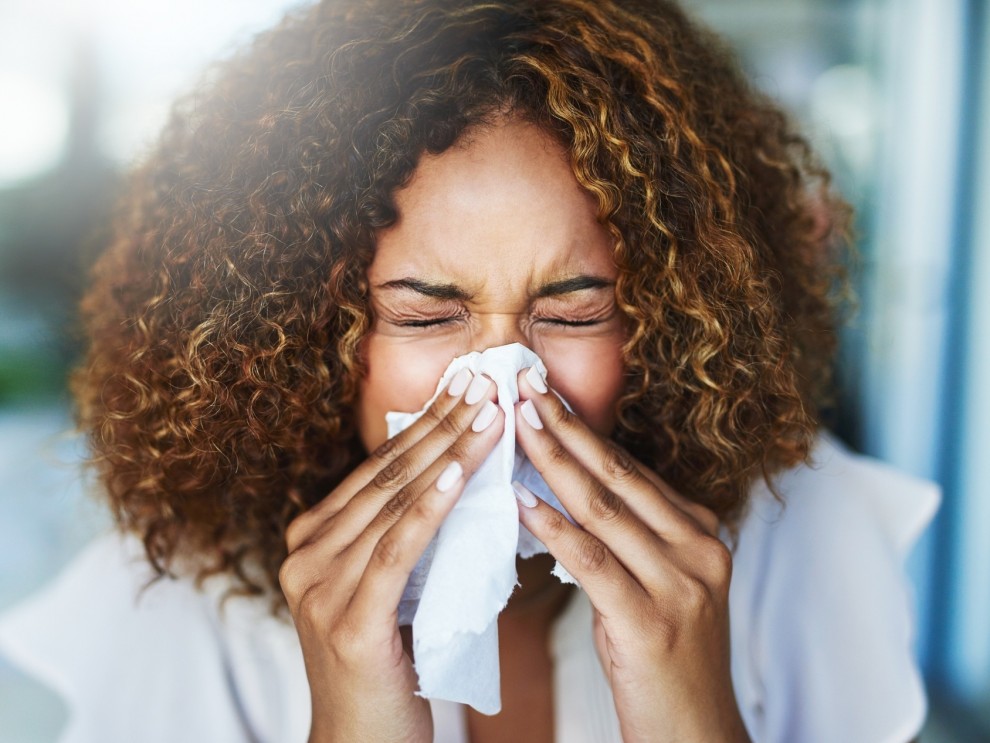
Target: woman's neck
x,y
538,600
525,658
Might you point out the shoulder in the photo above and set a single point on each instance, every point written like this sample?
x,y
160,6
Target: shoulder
x,y
104,596
843,524
107,638
838,495
822,603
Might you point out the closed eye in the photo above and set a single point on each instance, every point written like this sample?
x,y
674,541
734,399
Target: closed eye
x,y
426,323
558,321
569,323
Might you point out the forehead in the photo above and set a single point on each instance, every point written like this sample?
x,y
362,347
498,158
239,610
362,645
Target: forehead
x,y
500,207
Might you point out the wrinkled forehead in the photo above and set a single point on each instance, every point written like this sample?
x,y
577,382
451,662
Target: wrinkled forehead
x,y
502,207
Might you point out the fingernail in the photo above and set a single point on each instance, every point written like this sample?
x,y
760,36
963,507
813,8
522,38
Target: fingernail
x,y
524,495
535,380
530,415
477,390
484,417
459,383
450,475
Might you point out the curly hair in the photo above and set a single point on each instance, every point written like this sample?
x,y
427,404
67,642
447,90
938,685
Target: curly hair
x,y
225,316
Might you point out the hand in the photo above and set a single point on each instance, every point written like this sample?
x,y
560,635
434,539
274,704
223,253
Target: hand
x,y
351,555
652,566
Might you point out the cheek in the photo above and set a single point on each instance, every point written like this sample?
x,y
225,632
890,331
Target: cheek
x,y
589,375
402,375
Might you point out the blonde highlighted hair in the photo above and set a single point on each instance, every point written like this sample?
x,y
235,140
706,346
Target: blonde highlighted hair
x,y
225,315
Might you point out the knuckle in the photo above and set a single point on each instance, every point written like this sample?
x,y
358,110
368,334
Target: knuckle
x,y
424,509
337,631
618,464
556,524
434,415
387,553
313,610
559,415
593,555
387,451
392,474
398,504
695,596
296,574
458,451
556,453
450,426
603,504
716,561
291,577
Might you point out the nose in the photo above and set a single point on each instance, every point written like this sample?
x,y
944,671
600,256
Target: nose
x,y
498,330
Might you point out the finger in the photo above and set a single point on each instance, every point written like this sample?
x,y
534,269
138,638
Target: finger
x,y
552,430
590,503
304,527
616,460
467,437
470,450
607,582
465,393
398,550
448,416
352,534
706,518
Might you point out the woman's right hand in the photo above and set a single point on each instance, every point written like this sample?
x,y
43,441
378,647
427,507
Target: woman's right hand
x,y
351,555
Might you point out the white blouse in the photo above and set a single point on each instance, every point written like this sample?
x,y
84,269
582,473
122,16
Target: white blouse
x,y
820,609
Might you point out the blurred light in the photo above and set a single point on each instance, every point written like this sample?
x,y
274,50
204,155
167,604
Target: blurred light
x,y
144,55
34,128
152,52
129,129
843,101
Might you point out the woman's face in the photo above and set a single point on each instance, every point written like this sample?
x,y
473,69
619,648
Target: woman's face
x,y
495,243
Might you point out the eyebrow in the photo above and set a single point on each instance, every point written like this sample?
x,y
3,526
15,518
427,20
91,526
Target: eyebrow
x,y
572,284
428,288
454,292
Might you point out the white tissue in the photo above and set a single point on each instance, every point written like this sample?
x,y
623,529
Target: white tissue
x,y
466,575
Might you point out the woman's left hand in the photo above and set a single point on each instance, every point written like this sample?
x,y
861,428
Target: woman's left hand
x,y
653,567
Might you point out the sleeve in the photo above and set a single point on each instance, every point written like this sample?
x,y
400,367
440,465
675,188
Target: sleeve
x,y
835,639
131,665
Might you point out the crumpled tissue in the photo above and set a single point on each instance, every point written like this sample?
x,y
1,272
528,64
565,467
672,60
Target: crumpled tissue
x,y
464,578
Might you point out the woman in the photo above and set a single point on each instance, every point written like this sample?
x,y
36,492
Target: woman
x,y
374,188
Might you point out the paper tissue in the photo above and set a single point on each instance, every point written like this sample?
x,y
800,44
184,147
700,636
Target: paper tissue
x,y
466,575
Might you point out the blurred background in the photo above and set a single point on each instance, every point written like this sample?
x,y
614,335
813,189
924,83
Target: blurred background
x,y
895,94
